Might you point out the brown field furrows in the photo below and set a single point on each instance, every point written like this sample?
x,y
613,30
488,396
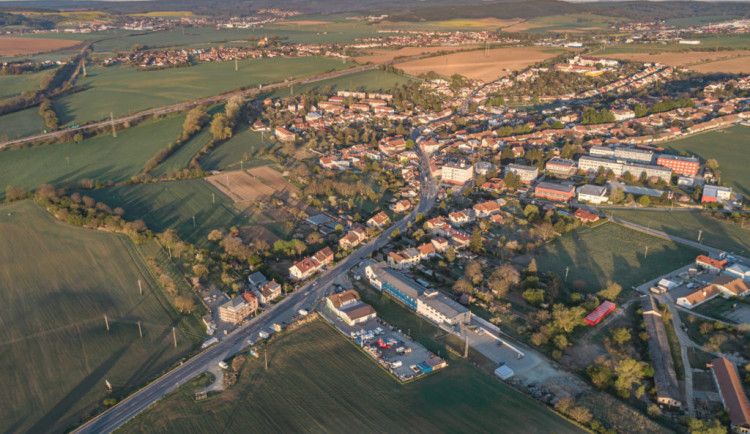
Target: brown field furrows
x,y
240,186
24,46
476,65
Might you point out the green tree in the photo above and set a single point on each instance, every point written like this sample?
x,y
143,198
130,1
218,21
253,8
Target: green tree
x,y
533,296
567,319
611,292
220,127
628,372
644,201
621,335
473,272
450,254
600,375
463,286
475,244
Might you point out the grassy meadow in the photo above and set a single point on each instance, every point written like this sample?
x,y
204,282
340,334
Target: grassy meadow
x,y
244,145
103,158
124,90
21,123
729,147
320,382
372,80
173,204
718,234
612,252
12,85
55,351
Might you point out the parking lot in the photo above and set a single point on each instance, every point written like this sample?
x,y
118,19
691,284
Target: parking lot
x,y
390,347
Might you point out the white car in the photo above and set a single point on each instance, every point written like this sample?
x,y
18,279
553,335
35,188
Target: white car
x,y
302,312
250,342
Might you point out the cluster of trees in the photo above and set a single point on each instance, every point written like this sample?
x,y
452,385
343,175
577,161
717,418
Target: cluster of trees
x,y
566,406
48,113
475,283
662,106
223,124
591,116
13,194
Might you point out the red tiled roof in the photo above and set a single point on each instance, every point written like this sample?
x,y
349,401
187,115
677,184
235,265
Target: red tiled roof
x,y
731,391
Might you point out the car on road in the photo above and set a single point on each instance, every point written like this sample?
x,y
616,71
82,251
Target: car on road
x,y
303,312
250,342
223,365
306,293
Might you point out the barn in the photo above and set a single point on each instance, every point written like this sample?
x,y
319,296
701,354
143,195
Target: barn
x,y
599,313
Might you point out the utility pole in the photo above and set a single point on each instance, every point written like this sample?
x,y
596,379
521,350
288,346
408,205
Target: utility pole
x,y
67,159
213,198
193,221
700,233
84,68
236,66
265,356
169,249
174,335
140,331
566,273
112,121
645,255
140,287
106,321
242,165
466,344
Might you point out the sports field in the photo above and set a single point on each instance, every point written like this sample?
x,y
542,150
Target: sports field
x,y
612,252
477,65
123,90
103,158
729,147
317,381
718,234
173,204
21,123
59,282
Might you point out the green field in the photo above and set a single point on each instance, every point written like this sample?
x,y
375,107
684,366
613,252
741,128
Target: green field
x,y
729,147
718,234
173,204
318,382
372,80
59,282
124,90
734,42
21,123
103,158
12,85
612,252
245,143
557,23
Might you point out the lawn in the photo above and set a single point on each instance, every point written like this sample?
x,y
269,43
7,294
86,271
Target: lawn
x,y
173,204
12,85
612,252
21,123
123,90
316,381
103,158
729,147
59,282
718,234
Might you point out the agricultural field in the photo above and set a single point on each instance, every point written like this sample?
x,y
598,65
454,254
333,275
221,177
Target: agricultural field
x,y
134,90
241,187
728,147
12,85
568,23
727,42
611,252
180,159
21,123
102,158
12,46
348,392
457,24
701,61
385,55
685,224
245,145
172,205
56,351
476,65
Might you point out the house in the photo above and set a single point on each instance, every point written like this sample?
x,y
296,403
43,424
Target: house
x,y
590,193
457,173
251,300
302,269
486,209
440,244
323,257
665,376
284,135
460,239
459,218
714,194
336,301
526,174
379,220
256,279
711,264
586,216
401,206
698,297
269,292
426,250
725,285
739,271
555,192
348,306
404,259
235,310
352,238
733,397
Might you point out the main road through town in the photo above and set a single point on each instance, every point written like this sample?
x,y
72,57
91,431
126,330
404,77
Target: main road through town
x,y
282,312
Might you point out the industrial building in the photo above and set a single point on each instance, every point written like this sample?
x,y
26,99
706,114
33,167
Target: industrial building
x,y
732,396
665,376
556,192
